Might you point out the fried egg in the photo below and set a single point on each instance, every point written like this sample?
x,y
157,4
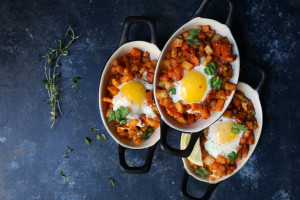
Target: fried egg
x,y
220,139
132,95
193,87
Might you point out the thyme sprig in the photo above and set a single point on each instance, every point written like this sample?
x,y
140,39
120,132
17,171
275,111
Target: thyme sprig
x,y
51,63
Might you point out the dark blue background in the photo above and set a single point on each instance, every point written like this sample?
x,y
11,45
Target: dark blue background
x,y
267,33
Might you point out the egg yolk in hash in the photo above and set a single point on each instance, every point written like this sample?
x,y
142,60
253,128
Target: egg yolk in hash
x,y
134,91
222,132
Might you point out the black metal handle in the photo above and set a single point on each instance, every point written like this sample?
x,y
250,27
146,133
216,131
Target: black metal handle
x,y
173,151
229,19
262,73
138,19
136,170
210,189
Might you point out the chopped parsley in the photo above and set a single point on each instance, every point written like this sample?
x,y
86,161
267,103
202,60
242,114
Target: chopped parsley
x,y
76,82
119,115
87,141
202,171
147,133
94,129
63,175
233,156
215,83
237,128
100,137
191,40
210,69
111,181
172,90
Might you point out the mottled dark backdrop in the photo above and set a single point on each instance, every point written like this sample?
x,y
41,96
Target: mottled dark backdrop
x,y
267,33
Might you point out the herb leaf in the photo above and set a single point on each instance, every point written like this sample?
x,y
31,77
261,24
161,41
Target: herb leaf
x,y
191,40
210,69
94,129
119,115
87,141
237,128
172,90
111,181
215,83
233,156
76,82
100,137
63,175
202,171
51,60
147,133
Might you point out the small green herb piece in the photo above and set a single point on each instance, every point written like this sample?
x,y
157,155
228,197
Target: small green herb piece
x,y
66,153
202,171
111,181
147,133
87,141
99,146
76,82
63,175
215,83
210,69
69,149
119,115
237,128
191,40
233,156
172,90
51,60
94,129
100,137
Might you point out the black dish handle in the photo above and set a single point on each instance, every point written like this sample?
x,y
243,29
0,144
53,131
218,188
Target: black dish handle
x,y
136,170
259,86
139,19
210,189
229,19
173,151
124,39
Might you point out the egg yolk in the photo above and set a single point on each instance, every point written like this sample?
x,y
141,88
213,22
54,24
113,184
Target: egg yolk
x,y
193,86
134,92
222,132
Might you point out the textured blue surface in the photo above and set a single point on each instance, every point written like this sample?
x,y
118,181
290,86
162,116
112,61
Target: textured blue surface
x,y
267,33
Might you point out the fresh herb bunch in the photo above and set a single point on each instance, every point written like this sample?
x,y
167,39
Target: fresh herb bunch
x,y
51,63
237,128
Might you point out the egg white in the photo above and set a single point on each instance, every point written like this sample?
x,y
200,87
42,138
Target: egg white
x,y
135,110
214,147
177,85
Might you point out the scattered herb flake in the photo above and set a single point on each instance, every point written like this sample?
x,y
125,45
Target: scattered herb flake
x,y
69,149
76,82
100,137
202,171
87,141
172,90
99,146
237,128
233,156
63,175
94,129
111,181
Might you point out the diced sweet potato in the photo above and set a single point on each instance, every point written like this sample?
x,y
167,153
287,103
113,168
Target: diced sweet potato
x,y
221,159
126,77
177,42
166,102
195,60
185,34
220,94
174,53
217,48
106,99
230,58
149,98
250,139
227,114
150,77
179,107
206,60
225,50
220,104
115,82
178,73
201,36
112,89
208,160
187,66
205,28
190,118
136,53
208,50
162,94
196,106
249,125
205,113
230,86
210,33
236,102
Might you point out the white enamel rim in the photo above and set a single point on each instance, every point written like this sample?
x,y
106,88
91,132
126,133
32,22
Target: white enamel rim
x,y
200,124
106,77
252,94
